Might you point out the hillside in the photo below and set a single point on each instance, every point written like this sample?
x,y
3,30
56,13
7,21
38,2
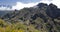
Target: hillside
x,y
40,18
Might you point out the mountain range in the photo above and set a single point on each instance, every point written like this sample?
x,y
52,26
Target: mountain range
x,y
42,16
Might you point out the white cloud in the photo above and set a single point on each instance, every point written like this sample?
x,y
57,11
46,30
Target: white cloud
x,y
4,8
20,5
45,1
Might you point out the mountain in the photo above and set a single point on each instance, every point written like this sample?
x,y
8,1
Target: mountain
x,y
4,12
7,6
43,17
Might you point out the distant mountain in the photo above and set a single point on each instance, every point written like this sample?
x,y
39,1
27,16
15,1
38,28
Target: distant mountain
x,y
43,17
8,6
4,12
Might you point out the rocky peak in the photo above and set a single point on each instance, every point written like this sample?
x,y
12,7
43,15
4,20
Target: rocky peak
x,y
42,5
52,6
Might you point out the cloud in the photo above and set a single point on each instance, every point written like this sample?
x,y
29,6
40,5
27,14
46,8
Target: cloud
x,y
4,8
45,1
20,5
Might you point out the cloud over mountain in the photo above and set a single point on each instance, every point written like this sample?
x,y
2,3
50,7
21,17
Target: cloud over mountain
x,y
20,5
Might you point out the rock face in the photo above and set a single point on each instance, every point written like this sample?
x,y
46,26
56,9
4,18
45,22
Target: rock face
x,y
53,11
42,17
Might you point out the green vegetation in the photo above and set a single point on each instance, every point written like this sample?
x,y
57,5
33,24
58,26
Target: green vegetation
x,y
16,27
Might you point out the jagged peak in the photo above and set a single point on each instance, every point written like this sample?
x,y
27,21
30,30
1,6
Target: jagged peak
x,y
52,5
42,5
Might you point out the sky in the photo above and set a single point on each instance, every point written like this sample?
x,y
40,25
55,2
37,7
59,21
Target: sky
x,y
20,4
